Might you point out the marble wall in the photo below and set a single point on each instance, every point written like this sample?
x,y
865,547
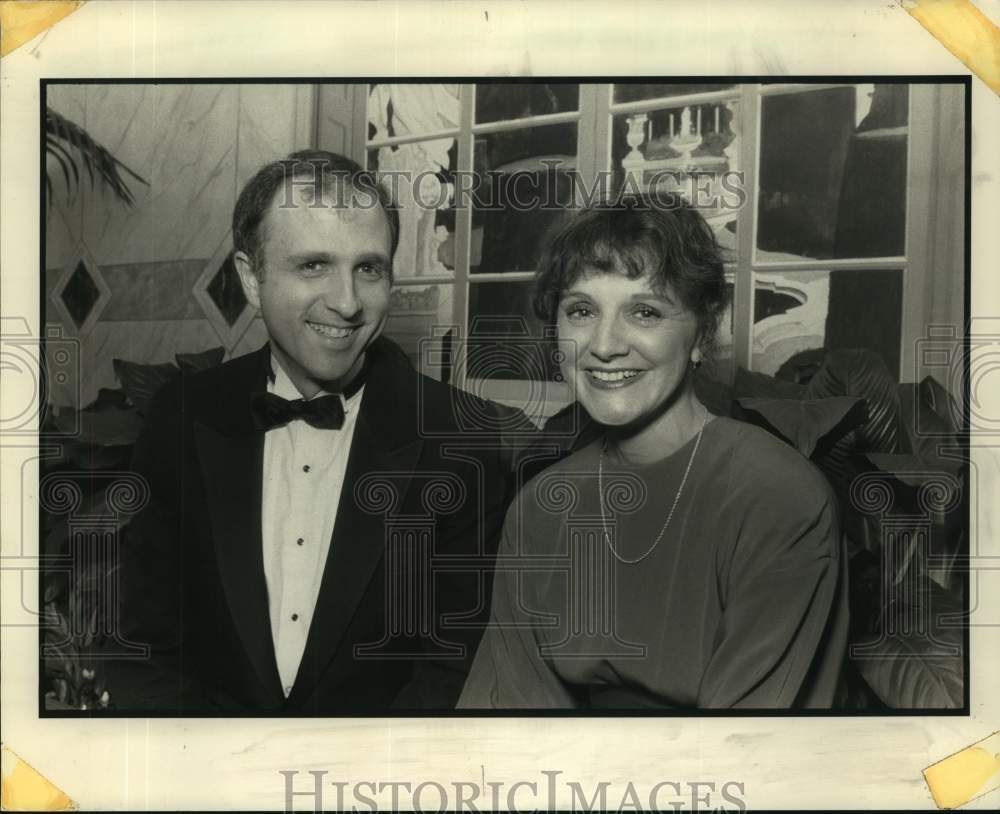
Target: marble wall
x,y
142,283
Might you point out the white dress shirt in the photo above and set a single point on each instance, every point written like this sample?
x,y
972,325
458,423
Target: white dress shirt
x,y
303,476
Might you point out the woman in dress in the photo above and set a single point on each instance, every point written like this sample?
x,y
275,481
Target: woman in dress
x,y
680,559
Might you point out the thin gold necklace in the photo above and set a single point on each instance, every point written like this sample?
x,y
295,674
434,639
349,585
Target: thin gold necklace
x,y
670,516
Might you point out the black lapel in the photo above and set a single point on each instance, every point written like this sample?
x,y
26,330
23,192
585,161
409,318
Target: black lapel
x,y
230,453
386,445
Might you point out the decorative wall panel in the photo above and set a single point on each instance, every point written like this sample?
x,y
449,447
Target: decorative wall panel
x,y
182,140
146,282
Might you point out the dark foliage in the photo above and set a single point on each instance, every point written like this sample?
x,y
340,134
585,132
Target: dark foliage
x,y
94,447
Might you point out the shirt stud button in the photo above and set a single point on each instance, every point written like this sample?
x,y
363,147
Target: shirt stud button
x,y
295,617
300,541
305,468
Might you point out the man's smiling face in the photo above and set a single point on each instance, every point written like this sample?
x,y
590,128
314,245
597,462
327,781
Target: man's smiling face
x,y
322,284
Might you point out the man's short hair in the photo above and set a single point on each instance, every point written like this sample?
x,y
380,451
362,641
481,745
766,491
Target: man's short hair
x,y
322,168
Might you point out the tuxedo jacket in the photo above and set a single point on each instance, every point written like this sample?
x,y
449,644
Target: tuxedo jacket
x,y
404,596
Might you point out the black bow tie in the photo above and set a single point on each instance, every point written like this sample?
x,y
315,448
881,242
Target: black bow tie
x,y
269,411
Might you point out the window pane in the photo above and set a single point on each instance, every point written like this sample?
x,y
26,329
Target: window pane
x,y
833,173
503,102
692,150
798,315
632,92
524,182
506,340
524,149
421,178
405,110
421,322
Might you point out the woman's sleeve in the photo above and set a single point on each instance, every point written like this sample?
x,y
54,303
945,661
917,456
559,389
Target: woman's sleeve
x,y
509,671
783,635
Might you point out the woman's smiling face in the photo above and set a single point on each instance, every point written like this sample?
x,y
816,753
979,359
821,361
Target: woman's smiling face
x,y
629,346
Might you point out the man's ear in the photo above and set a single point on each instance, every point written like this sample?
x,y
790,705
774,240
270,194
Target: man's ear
x,y
248,278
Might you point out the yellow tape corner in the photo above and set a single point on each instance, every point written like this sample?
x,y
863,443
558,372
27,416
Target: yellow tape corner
x,y
967,774
24,789
23,20
965,31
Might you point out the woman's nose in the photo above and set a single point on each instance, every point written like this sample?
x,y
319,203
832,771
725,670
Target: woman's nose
x,y
608,339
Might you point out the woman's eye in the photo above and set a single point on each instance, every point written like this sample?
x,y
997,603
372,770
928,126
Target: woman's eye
x,y
578,311
645,312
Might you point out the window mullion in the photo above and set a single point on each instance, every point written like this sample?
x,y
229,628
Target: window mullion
x,y
748,122
593,135
357,148
854,264
921,183
463,232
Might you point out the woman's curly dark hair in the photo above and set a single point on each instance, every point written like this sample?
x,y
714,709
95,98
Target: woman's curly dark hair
x,y
636,235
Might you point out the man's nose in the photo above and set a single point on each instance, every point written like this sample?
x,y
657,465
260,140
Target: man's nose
x,y
608,339
340,294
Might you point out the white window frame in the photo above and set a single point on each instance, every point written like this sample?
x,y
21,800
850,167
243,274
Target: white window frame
x,y
594,127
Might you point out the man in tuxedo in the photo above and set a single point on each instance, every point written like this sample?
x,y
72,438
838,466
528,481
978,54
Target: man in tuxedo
x,y
322,522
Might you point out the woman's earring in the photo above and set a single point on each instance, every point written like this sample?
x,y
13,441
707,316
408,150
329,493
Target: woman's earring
x,y
695,361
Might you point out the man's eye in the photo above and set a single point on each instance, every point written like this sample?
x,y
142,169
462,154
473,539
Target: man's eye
x,y
311,266
370,269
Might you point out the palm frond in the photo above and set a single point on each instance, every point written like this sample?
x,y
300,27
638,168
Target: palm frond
x,y
66,163
97,161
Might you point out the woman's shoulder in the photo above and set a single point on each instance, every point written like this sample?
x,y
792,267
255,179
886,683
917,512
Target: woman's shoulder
x,y
766,464
777,502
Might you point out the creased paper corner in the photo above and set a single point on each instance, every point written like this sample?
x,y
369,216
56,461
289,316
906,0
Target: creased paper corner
x,y
24,789
23,20
965,775
965,31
